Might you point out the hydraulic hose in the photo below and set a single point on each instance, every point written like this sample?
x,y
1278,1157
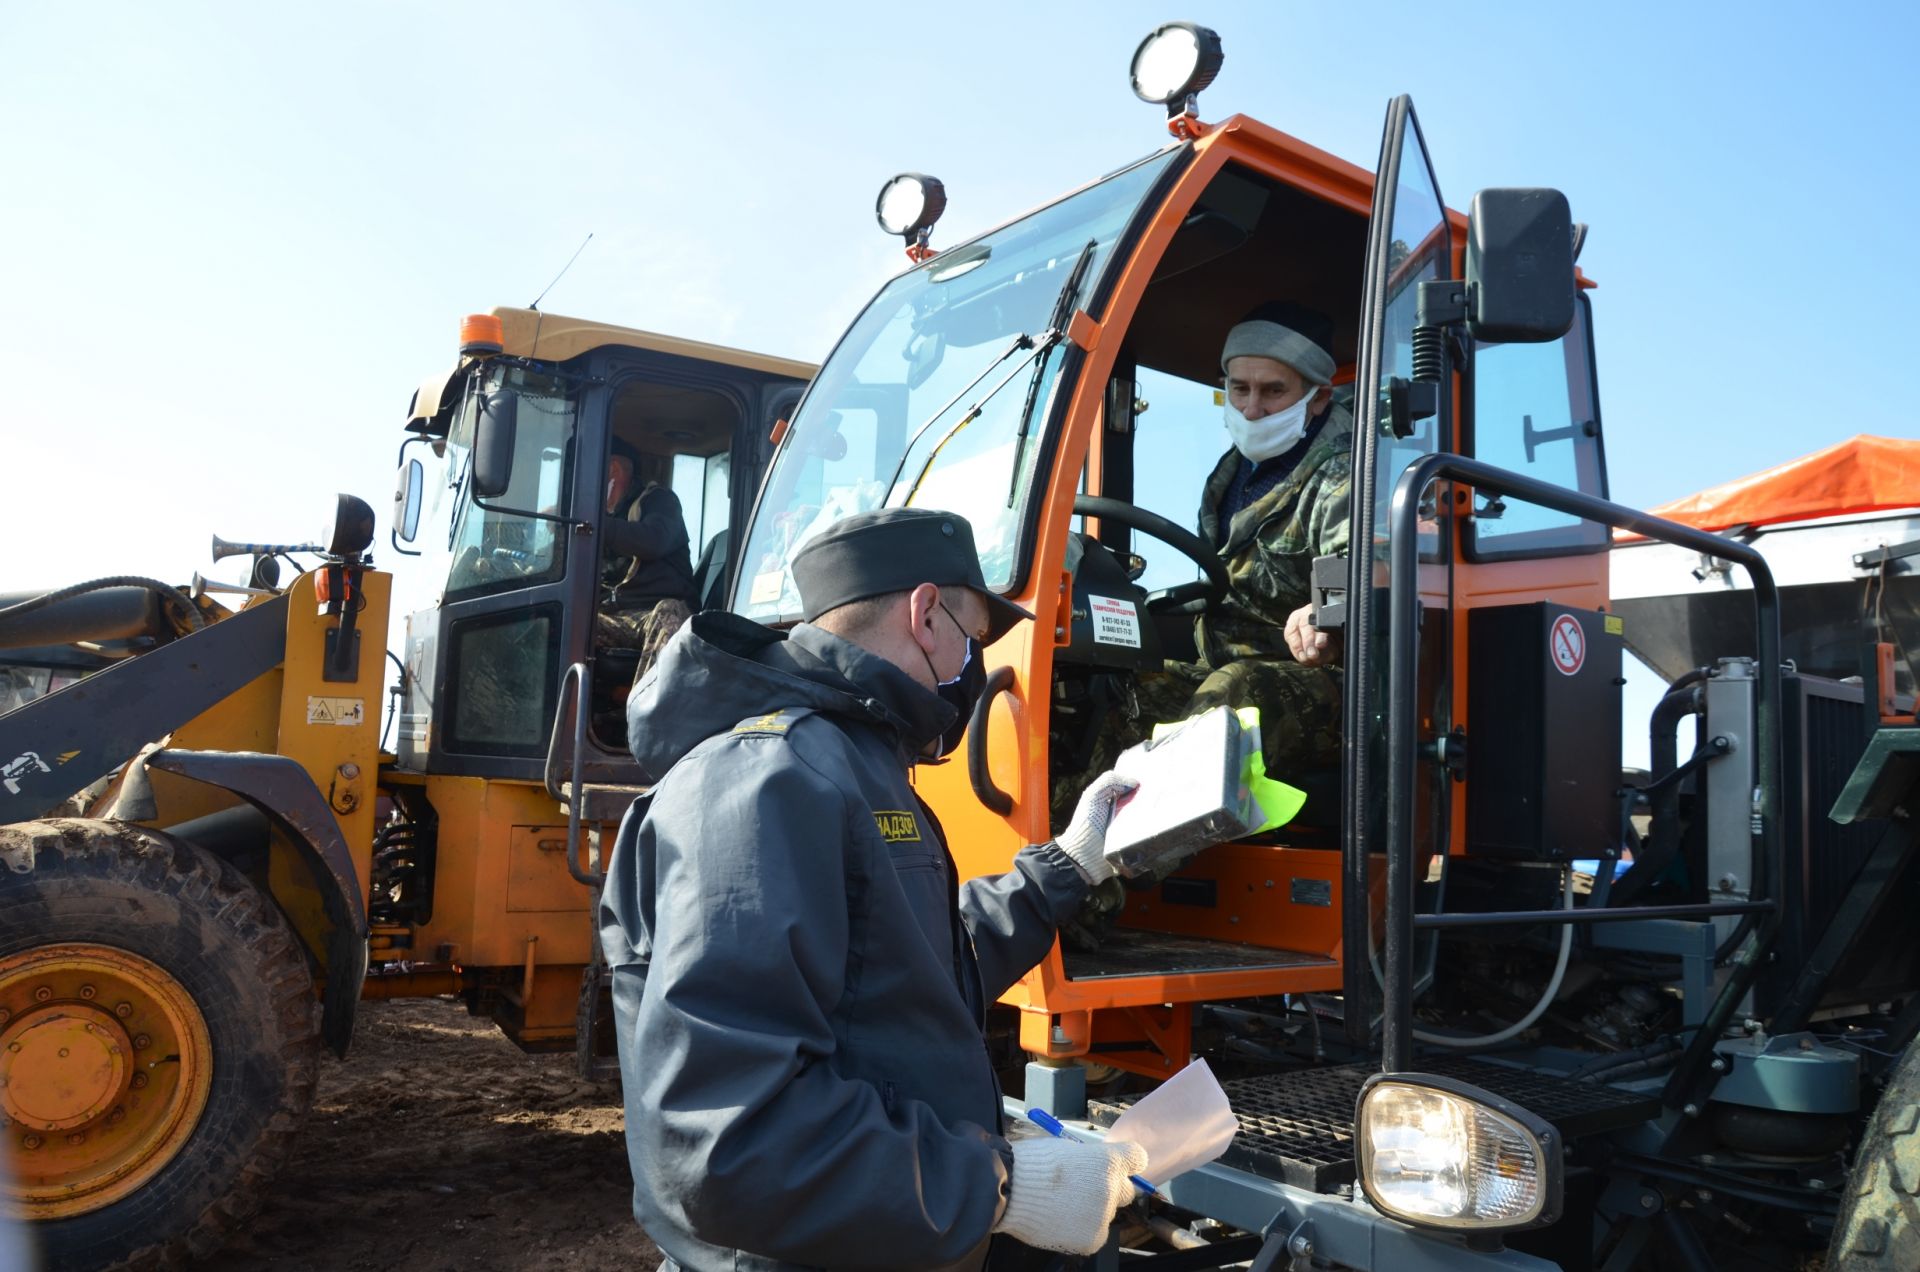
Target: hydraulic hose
x,y
1539,1009
1653,1051
164,591
1663,837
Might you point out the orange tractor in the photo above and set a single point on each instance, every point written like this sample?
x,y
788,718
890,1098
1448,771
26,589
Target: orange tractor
x,y
1454,1038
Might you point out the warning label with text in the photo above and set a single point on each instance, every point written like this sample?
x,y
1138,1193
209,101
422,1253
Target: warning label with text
x,y
1115,622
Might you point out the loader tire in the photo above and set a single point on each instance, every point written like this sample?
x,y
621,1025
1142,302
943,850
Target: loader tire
x,y
1879,1222
159,1040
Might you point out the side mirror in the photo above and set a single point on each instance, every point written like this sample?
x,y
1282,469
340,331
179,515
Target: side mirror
x,y
493,438
1520,251
406,500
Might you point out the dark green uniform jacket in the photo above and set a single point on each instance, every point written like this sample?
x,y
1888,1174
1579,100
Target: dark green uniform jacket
x,y
799,986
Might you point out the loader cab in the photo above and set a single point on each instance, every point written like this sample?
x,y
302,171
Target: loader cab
x,y
1057,381
515,453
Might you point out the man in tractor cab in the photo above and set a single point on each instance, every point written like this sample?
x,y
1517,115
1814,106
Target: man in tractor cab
x,y
799,981
1273,503
647,570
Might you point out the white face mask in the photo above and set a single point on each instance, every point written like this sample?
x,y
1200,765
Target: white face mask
x,y
1270,435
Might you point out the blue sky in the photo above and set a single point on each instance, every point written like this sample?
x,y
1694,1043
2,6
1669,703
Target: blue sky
x,y
234,238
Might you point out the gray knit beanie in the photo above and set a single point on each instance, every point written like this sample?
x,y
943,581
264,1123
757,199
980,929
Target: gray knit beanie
x,y
1263,339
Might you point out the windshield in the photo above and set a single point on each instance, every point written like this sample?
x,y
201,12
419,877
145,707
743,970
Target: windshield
x,y
497,546
900,393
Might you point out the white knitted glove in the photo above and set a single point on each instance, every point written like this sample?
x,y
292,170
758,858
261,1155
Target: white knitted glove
x,y
1064,1193
1085,838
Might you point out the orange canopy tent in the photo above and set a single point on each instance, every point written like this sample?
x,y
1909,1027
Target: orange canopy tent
x,y
1861,474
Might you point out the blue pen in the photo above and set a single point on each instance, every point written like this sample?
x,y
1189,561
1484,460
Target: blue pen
x,y
1051,1125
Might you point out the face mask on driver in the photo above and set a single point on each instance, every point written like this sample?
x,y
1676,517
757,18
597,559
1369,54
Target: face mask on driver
x,y
1270,435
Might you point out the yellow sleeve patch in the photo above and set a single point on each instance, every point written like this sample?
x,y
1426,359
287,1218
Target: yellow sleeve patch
x,y
897,826
772,722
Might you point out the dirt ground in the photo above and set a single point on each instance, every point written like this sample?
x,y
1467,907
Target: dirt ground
x,y
437,1145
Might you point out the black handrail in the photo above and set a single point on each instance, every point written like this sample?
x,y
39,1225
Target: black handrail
x,y
999,680
1403,731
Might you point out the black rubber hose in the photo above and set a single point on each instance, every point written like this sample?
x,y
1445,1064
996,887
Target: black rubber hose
x,y
1635,1068
166,592
1663,836
1618,1059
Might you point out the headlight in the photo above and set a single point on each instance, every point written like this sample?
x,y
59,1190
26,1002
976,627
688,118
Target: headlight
x,y
910,203
351,532
1175,62
1441,1153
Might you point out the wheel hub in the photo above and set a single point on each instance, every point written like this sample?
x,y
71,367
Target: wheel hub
x,y
105,1066
62,1066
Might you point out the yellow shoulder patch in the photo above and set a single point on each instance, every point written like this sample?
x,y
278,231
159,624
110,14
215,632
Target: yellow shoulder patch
x,y
897,826
772,722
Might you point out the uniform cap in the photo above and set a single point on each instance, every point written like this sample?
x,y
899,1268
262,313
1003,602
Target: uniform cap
x,y
895,550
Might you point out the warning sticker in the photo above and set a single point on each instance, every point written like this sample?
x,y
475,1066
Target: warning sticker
x,y
1115,622
1567,642
345,711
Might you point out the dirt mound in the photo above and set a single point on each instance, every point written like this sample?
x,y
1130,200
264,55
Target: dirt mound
x,y
437,1145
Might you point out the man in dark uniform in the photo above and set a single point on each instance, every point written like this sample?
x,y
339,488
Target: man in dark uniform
x,y
800,982
646,569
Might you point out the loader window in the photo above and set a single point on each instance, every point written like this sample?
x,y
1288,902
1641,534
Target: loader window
x,y
505,669
495,549
1535,412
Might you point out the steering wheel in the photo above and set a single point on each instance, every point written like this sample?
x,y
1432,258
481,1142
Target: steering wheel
x,y
1189,544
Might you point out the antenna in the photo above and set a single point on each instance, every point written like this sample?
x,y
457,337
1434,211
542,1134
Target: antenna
x,y
563,271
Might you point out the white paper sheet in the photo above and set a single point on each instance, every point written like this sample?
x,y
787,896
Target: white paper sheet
x,y
1184,1122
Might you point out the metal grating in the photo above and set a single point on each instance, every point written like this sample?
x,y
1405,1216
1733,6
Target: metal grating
x,y
1297,1126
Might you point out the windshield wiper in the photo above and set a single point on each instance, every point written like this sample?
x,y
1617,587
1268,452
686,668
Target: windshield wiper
x,y
1056,332
1021,341
1037,348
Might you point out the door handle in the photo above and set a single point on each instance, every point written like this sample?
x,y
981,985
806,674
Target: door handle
x,y
999,681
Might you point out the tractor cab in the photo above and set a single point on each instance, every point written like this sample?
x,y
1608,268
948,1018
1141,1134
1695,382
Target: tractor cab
x,y
1058,382
518,464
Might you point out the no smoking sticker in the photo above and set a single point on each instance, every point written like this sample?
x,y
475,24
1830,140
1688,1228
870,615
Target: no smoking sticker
x,y
1567,642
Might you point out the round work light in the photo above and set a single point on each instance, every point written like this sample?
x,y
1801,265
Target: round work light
x,y
1175,62
910,203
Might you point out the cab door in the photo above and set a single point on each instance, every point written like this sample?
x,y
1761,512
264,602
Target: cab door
x,y
1409,242
514,593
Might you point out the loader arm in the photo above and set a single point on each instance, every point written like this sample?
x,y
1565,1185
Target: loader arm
x,y
58,744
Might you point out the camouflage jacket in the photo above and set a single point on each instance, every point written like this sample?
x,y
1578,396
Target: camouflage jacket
x,y
1269,547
